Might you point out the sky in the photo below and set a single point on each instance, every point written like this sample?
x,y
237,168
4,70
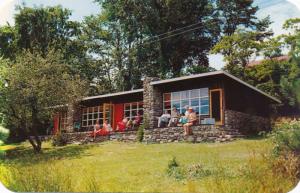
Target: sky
x,y
279,11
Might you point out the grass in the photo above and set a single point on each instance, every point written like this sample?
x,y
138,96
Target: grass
x,y
135,167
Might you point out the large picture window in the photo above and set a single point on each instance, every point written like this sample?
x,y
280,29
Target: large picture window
x,y
132,109
198,99
91,114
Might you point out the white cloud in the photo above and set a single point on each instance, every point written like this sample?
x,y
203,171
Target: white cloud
x,y
6,11
295,2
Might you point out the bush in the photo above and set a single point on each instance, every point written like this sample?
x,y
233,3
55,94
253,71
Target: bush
x,y
59,140
197,171
286,137
4,133
174,170
140,133
194,171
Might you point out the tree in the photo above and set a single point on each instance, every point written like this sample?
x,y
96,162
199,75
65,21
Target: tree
x,y
164,38
31,86
245,44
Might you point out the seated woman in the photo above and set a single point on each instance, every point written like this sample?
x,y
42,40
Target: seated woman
x,y
101,131
174,117
137,121
129,125
96,128
183,119
121,126
191,120
106,128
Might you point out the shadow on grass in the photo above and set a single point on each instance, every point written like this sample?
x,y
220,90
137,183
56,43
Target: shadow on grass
x,y
26,155
256,137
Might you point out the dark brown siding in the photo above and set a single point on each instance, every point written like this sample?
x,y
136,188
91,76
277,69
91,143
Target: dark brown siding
x,y
134,97
241,98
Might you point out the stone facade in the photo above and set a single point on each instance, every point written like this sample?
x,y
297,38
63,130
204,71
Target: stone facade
x,y
246,123
201,133
152,99
73,116
85,137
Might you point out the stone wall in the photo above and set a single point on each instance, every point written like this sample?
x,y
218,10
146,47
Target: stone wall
x,y
85,137
152,98
201,133
246,123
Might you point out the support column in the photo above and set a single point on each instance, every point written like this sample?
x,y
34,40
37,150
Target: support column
x,y
153,102
73,115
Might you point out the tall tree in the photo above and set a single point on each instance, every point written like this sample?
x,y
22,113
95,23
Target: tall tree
x,y
31,86
162,38
246,44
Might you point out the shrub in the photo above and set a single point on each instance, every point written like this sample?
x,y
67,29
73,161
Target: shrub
x,y
59,140
286,137
140,133
197,171
174,170
4,133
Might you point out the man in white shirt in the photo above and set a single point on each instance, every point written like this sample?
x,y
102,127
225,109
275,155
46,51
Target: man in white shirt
x,y
164,119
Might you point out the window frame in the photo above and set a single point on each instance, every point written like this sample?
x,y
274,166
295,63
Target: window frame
x,y
189,98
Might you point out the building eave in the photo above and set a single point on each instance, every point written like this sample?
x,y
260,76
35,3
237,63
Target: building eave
x,y
113,94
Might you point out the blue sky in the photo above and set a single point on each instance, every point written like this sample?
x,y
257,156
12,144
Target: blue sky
x,y
279,11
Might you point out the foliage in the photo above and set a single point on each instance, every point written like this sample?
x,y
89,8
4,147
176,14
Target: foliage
x,y
140,133
4,133
36,84
133,39
242,45
286,137
261,173
173,169
192,172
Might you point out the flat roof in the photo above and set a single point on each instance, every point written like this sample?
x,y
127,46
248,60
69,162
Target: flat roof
x,y
207,74
113,94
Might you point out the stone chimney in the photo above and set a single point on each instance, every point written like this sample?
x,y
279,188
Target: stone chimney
x,y
153,102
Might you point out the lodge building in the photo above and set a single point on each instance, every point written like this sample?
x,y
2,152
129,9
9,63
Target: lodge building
x,y
223,103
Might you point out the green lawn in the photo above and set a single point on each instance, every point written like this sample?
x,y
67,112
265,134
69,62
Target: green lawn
x,y
129,167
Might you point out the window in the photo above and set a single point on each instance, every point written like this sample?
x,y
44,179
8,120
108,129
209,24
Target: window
x,y
91,114
132,109
198,99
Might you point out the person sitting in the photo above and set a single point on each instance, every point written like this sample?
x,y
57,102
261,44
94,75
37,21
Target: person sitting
x,y
97,127
191,120
121,126
186,113
174,117
129,125
137,121
164,119
183,119
106,126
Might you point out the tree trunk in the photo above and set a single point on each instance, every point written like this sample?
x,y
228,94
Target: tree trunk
x,y
36,141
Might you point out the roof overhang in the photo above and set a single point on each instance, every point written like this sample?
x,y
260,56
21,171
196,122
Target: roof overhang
x,y
214,73
113,94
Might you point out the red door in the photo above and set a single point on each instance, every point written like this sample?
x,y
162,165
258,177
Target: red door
x,y
118,114
55,123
